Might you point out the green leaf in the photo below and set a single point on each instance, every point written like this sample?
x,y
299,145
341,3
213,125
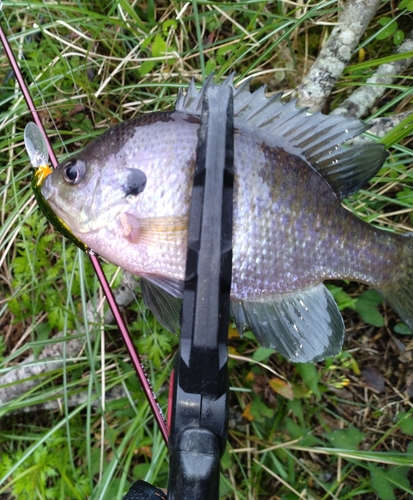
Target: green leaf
x,y
159,46
405,195
226,460
390,26
385,481
141,470
405,423
342,298
20,265
402,329
345,438
381,486
406,4
262,354
147,41
146,67
310,440
297,409
56,317
310,376
43,331
372,317
210,66
300,391
170,23
398,476
157,344
293,429
260,411
249,335
372,297
366,306
398,37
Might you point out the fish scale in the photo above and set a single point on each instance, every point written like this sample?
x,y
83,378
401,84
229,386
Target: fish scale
x,y
131,199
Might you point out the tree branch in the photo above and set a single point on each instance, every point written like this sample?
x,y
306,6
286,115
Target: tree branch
x,y
26,374
334,56
380,127
362,99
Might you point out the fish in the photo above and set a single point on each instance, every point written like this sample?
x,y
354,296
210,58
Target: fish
x,y
127,197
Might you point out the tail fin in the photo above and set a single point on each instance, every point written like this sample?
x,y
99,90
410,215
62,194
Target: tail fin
x,y
399,293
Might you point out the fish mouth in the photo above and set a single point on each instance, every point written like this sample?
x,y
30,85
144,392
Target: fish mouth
x,y
47,189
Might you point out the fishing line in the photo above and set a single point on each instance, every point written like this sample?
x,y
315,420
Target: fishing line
x,y
112,303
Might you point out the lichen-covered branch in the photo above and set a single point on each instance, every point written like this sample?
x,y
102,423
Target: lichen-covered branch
x,y
380,127
25,376
334,56
362,99
28,373
113,394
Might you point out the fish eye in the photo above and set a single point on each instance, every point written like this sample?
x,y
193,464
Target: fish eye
x,y
73,171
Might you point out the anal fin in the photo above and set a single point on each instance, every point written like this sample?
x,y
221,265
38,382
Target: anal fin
x,y
304,326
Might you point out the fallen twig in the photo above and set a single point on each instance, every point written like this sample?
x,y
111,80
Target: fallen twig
x,y
363,98
381,126
334,56
24,376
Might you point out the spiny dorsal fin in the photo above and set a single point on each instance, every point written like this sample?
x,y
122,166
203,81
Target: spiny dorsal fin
x,y
316,138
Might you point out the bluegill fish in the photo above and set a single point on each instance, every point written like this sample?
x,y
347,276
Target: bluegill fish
x,y
127,197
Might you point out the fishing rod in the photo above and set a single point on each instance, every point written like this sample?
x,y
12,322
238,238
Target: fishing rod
x,y
132,351
198,409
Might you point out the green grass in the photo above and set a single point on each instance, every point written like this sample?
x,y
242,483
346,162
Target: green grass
x,y
296,431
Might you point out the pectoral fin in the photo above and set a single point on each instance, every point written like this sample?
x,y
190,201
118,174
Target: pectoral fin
x,y
303,326
165,307
153,231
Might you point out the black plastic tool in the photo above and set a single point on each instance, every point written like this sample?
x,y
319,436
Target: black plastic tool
x,y
200,398
199,407
141,490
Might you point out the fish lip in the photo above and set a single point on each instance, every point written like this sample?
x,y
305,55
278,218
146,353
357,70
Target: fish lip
x,y
47,189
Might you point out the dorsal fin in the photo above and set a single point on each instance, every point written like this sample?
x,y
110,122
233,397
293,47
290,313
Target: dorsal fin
x,y
316,138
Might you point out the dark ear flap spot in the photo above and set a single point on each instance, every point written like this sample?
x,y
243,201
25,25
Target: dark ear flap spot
x,y
135,182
